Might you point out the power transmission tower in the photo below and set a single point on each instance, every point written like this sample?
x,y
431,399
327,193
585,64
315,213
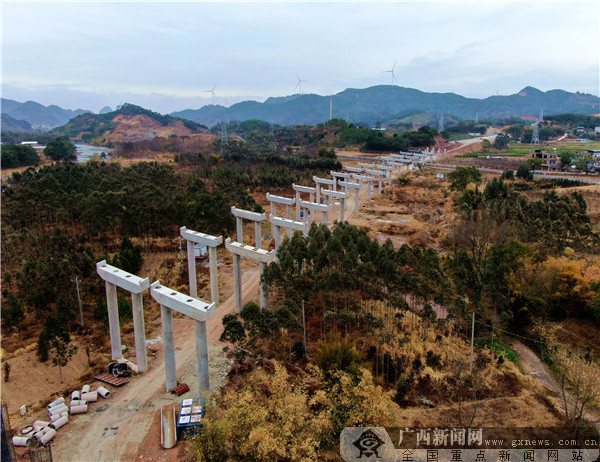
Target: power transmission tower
x,y
541,115
476,117
441,122
535,138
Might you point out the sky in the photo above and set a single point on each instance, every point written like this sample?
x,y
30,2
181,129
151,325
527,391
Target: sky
x,y
165,56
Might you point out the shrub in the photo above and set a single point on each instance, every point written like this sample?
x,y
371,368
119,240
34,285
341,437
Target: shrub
x,y
298,350
508,174
433,360
17,155
461,177
275,417
129,258
337,355
60,149
498,347
524,173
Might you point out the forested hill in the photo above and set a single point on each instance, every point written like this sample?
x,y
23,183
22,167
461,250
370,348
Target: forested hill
x,y
386,102
13,125
128,123
38,115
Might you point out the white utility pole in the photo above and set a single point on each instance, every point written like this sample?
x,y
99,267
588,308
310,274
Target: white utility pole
x,y
304,326
472,340
180,255
79,300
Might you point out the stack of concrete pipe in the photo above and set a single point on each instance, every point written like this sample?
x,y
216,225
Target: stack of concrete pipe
x,y
59,415
58,409
45,434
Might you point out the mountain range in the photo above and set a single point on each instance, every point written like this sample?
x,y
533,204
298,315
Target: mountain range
x,y
383,103
38,115
11,124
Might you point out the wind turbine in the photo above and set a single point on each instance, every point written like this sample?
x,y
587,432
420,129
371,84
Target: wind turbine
x,y
299,84
212,92
391,71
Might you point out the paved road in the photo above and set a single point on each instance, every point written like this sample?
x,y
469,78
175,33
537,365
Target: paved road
x,y
536,175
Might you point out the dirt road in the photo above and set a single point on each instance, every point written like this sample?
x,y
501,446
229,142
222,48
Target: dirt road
x,y
116,434
534,366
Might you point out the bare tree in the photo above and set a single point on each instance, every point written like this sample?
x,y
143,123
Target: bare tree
x,y
468,392
580,386
63,352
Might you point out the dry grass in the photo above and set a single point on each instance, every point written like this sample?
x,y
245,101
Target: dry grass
x,y
413,338
525,410
403,211
577,334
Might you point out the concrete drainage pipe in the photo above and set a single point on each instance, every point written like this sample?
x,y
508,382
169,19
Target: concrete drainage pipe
x,y
39,424
90,397
27,431
79,409
51,433
58,410
59,423
21,440
55,417
56,402
40,434
104,392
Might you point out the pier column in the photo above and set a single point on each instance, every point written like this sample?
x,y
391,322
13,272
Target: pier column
x,y
139,332
113,321
298,205
264,302
277,236
214,275
237,282
166,315
258,234
192,269
288,210
202,357
240,229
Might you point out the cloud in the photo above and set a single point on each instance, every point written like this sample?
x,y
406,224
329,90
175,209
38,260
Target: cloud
x,y
135,50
